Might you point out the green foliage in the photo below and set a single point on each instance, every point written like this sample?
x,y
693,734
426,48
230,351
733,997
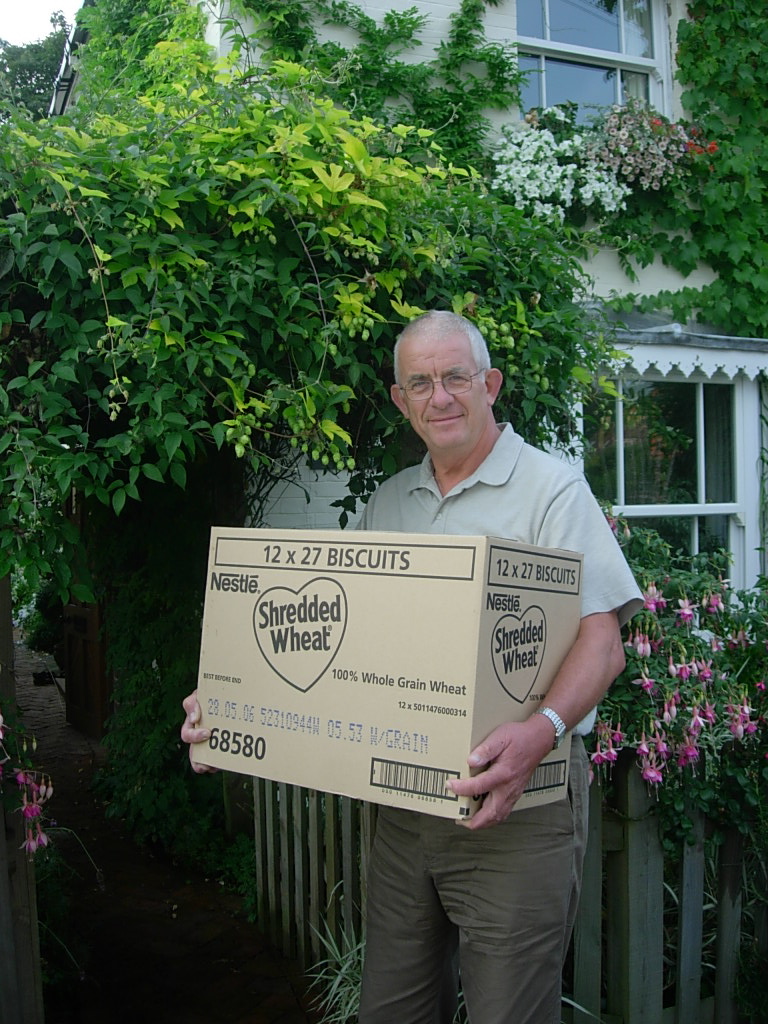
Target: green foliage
x,y
717,218
692,701
223,262
449,93
153,584
28,72
336,979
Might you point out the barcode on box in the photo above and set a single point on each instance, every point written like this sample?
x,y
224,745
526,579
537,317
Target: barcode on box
x,y
411,778
547,776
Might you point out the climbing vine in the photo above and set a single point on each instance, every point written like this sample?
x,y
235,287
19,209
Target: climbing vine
x,y
379,75
207,256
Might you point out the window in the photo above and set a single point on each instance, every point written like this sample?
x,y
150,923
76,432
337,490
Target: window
x,y
665,456
592,52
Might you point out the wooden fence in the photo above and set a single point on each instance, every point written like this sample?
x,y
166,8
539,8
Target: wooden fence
x,y
312,851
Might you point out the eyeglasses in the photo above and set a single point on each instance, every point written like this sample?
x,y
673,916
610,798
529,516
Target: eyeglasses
x,y
422,388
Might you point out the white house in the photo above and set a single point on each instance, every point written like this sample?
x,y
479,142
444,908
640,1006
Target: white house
x,y
686,452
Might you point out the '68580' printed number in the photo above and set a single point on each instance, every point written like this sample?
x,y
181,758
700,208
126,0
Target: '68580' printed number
x,y
236,743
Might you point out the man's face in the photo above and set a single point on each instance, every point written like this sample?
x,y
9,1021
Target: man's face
x,y
446,423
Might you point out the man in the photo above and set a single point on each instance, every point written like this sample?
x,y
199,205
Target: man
x,y
505,886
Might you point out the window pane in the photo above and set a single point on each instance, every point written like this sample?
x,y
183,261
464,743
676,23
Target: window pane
x,y
675,530
600,449
718,442
530,92
634,86
585,85
713,533
592,23
659,443
638,37
530,18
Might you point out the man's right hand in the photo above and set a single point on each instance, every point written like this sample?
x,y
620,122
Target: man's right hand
x,y
191,733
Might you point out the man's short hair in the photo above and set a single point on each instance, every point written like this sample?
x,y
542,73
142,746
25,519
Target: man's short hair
x,y
438,321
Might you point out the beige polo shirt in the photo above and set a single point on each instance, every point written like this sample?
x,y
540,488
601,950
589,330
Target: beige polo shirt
x,y
519,493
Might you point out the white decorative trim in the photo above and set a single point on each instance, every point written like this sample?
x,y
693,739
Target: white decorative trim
x,y
691,355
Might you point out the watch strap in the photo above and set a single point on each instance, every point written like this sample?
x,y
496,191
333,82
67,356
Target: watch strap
x,y
557,722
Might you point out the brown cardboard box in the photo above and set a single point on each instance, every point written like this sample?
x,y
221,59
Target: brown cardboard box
x,y
370,664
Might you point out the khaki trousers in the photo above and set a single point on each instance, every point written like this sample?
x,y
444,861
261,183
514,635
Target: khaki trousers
x,y
506,896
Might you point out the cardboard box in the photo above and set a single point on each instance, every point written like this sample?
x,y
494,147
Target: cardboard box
x,y
370,664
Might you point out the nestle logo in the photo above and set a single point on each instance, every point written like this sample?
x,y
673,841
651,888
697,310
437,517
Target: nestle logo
x,y
235,582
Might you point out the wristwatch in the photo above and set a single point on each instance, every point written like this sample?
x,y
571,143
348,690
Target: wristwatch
x,y
559,724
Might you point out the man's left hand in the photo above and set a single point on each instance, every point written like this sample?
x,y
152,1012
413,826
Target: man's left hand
x,y
506,759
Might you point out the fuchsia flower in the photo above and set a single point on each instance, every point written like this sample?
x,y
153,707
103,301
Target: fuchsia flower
x,y
741,723
651,770
714,604
30,843
738,639
709,714
653,599
688,751
697,721
643,645
643,750
704,670
686,611
646,684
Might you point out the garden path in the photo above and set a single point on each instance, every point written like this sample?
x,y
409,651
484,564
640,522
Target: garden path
x,y
154,943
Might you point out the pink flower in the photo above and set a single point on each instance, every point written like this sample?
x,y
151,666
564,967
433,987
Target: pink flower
x,y
643,645
688,752
697,722
715,604
738,639
653,599
600,756
30,843
685,612
650,771
704,670
708,714
647,684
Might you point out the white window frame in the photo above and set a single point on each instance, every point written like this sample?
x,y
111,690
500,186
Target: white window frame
x,y
657,68
718,360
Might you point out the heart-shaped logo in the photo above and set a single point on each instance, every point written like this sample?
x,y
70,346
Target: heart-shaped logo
x,y
517,651
299,632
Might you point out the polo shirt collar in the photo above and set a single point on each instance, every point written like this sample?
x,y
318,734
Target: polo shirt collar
x,y
494,471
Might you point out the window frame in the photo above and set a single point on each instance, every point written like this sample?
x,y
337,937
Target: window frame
x,y
656,68
743,513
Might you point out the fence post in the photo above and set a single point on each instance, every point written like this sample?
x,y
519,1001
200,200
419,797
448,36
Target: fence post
x,y
728,926
690,926
587,936
635,894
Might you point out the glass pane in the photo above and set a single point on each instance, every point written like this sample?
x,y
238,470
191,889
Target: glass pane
x,y
588,86
592,23
638,37
675,530
600,449
530,92
530,18
718,442
659,443
713,533
634,86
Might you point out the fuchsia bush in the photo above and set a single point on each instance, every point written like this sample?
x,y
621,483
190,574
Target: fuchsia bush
x,y
692,702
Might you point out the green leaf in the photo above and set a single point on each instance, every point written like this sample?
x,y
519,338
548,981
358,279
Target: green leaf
x,y
118,501
152,472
